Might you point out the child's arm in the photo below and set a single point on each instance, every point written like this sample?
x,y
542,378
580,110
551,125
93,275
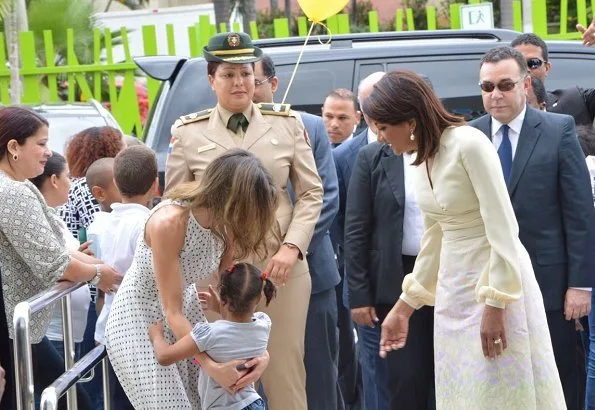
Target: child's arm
x,y
99,301
167,354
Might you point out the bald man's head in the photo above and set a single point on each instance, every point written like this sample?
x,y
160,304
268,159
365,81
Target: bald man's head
x,y
366,86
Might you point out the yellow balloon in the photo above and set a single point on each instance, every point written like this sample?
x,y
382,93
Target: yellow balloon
x,y
319,10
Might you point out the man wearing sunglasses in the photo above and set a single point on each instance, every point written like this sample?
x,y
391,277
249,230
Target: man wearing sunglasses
x,y
574,101
550,190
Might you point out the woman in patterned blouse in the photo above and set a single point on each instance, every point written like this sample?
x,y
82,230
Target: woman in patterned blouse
x,y
33,254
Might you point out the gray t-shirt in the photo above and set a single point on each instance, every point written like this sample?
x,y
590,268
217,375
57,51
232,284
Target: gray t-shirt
x,y
224,341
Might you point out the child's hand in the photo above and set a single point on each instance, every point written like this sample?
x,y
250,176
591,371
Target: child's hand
x,y
210,300
155,331
84,248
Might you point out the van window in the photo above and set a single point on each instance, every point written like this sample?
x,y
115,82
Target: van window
x,y
581,68
454,79
312,83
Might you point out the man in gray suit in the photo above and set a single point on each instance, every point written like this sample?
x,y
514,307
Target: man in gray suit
x,y
321,349
549,187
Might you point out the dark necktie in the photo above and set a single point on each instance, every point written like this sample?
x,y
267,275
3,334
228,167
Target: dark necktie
x,y
335,144
236,121
505,153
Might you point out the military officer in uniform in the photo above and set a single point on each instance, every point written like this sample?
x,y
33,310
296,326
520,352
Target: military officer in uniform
x,y
274,134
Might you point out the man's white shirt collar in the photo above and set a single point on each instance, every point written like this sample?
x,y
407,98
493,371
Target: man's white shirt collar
x,y
372,137
516,124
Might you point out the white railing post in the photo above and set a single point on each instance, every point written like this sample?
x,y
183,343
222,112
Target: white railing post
x,y
23,361
69,350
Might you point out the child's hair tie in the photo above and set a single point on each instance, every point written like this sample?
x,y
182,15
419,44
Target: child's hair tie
x,y
264,276
230,269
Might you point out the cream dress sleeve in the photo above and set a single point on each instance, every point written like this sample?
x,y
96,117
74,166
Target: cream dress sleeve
x,y
500,279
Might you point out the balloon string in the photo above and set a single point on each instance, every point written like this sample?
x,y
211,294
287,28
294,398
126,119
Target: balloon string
x,y
298,62
330,35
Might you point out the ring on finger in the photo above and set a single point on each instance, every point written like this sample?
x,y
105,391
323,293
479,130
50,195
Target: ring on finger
x,y
498,341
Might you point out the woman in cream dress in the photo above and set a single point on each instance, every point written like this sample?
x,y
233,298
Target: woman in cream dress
x,y
492,347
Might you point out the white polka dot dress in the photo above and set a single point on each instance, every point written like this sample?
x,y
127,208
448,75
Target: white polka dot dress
x,y
147,384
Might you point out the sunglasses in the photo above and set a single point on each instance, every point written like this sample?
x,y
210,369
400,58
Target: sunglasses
x,y
503,86
534,63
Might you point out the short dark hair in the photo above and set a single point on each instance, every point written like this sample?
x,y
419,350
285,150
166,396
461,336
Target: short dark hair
x,y
55,165
135,170
501,53
586,137
241,284
534,40
268,66
403,95
100,173
212,67
18,123
538,89
343,94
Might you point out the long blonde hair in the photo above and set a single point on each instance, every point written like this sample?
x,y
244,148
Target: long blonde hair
x,y
242,198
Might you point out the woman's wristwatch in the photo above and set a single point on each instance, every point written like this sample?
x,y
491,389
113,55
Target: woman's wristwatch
x,y
97,277
292,246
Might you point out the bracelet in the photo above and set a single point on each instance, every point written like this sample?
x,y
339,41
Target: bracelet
x,y
290,245
97,277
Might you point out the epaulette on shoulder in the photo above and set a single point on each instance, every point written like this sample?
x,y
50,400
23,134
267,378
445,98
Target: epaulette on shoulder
x,y
275,109
193,117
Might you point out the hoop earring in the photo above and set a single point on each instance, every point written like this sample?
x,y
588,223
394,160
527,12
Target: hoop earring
x,y
15,157
412,137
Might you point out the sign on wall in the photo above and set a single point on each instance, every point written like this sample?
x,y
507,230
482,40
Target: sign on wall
x,y
477,16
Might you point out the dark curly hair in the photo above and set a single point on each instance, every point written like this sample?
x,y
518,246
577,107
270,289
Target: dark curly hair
x,y
91,144
241,285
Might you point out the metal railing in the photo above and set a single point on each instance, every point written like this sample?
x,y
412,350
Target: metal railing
x,y
23,360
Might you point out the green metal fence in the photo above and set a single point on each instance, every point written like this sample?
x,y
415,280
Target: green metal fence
x,y
114,82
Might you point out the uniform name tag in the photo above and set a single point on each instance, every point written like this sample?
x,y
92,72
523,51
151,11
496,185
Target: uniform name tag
x,y
206,148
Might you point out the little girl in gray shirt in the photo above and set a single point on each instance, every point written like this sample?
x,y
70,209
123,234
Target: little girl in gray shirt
x,y
241,334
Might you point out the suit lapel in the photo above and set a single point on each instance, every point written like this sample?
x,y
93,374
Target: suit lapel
x,y
393,167
484,124
530,133
359,142
217,132
256,129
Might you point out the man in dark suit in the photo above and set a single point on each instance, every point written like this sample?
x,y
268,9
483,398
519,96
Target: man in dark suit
x,y
350,373
549,186
321,350
574,101
383,229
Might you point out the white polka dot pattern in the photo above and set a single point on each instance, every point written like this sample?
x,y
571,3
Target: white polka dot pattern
x,y
147,384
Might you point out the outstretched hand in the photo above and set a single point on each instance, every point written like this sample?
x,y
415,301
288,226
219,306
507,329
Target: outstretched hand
x,y
588,33
210,300
395,328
